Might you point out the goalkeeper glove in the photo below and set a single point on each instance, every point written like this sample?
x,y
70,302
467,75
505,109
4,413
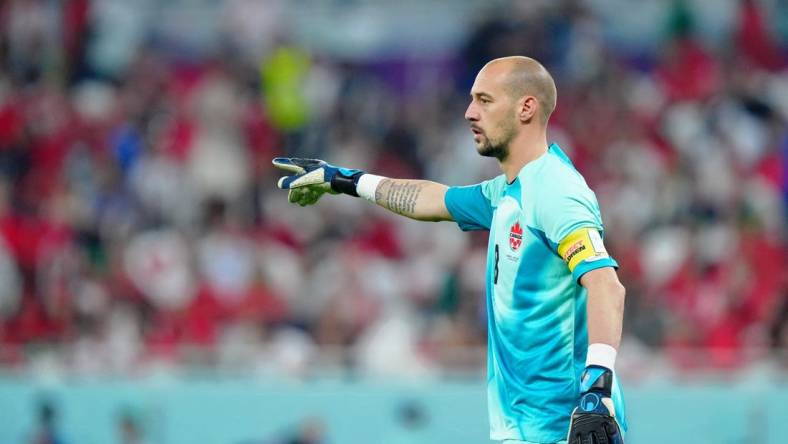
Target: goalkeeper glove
x,y
311,178
593,420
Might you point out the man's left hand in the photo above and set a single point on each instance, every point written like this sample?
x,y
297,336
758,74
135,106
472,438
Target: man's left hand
x,y
593,420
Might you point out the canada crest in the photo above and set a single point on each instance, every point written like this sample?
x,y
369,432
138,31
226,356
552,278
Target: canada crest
x,y
515,237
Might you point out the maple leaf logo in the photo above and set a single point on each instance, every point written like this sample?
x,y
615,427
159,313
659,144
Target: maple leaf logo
x,y
516,236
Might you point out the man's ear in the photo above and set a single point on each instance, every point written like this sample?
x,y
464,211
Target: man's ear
x,y
528,108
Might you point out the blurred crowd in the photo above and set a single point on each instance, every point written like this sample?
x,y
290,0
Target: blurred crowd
x,y
140,225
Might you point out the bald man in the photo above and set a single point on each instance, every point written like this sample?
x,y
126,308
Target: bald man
x,y
554,301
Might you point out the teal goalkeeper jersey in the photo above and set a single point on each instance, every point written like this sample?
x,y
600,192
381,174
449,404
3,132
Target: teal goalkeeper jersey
x,y
545,233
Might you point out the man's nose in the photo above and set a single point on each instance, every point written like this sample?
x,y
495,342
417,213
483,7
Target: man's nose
x,y
471,113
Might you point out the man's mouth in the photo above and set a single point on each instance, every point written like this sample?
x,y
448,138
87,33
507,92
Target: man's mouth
x,y
476,131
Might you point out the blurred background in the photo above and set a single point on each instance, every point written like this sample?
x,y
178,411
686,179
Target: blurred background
x,y
156,287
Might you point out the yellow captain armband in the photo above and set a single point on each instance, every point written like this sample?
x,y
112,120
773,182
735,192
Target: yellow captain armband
x,y
583,244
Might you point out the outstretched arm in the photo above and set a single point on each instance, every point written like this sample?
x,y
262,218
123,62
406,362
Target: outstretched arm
x,y
416,199
311,178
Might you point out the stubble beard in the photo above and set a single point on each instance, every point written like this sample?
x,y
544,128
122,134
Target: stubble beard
x,y
489,149
496,148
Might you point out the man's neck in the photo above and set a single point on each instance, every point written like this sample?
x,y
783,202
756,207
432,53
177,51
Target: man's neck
x,y
523,149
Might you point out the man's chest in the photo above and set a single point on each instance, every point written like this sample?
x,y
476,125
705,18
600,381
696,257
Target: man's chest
x,y
523,266
514,241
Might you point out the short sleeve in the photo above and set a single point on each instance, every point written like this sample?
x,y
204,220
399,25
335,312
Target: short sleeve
x,y
564,209
469,207
472,206
570,218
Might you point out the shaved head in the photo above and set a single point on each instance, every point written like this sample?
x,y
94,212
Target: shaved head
x,y
524,76
511,98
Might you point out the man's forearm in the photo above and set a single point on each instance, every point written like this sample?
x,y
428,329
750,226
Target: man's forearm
x,y
605,313
416,199
605,306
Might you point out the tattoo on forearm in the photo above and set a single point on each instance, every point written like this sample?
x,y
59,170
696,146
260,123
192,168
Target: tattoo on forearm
x,y
398,197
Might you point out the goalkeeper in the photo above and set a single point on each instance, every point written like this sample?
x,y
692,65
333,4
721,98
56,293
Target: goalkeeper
x,y
554,301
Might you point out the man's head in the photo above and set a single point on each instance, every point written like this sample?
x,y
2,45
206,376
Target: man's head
x,y
510,95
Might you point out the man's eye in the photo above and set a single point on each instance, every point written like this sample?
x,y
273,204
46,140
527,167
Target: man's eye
x,y
484,100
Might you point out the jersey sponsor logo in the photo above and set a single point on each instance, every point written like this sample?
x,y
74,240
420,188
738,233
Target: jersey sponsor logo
x,y
574,249
515,236
582,245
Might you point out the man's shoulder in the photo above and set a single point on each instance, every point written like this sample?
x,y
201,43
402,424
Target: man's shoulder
x,y
559,169
555,177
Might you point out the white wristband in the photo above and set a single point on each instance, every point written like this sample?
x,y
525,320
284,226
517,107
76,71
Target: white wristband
x,y
601,354
367,185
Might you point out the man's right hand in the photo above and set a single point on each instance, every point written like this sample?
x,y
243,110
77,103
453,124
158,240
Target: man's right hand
x,y
311,178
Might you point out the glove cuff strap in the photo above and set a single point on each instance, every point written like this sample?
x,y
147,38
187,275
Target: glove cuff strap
x,y
597,379
346,184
